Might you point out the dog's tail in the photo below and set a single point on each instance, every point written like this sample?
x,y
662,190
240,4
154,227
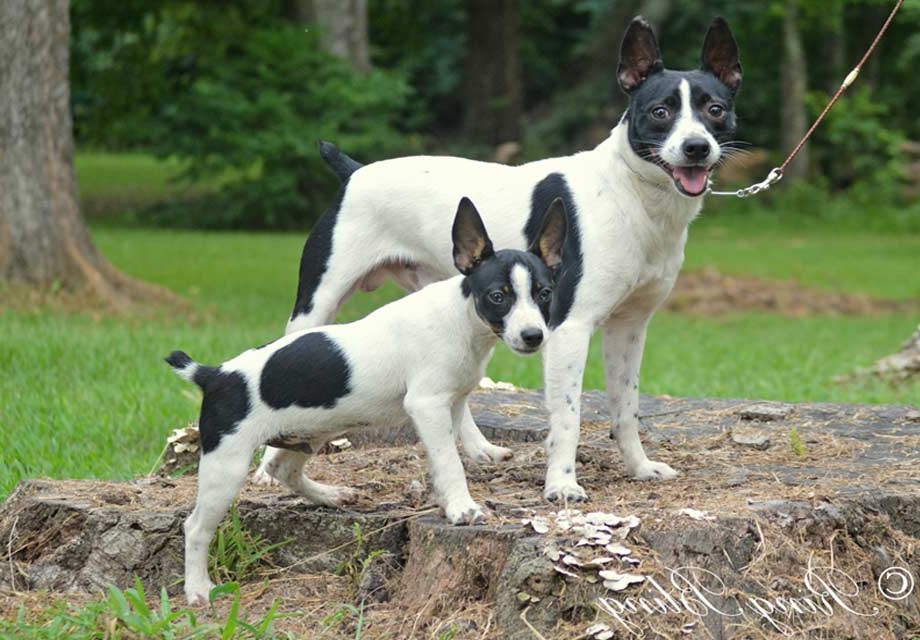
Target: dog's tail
x,y
187,368
341,164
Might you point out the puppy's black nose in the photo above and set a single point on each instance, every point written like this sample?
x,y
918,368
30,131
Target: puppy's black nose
x,y
696,149
532,337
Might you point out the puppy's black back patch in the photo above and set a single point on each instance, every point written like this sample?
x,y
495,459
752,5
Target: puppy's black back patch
x,y
310,372
548,189
226,402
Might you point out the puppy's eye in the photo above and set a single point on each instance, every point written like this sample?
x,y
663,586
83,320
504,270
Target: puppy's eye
x,y
545,294
660,112
496,297
716,110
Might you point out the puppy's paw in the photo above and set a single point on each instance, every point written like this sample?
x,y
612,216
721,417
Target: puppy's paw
x,y
261,476
491,453
467,513
198,595
333,496
564,490
650,470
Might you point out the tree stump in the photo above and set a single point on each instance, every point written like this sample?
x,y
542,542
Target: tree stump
x,y
817,539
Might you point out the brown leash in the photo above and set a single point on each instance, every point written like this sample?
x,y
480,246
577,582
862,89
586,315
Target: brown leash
x,y
776,173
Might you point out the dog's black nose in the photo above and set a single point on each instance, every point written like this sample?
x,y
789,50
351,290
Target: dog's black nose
x,y
532,337
696,149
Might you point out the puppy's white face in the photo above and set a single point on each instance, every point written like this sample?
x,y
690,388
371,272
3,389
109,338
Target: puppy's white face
x,y
512,293
525,325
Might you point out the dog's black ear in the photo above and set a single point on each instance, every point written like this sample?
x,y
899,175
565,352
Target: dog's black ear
x,y
548,243
720,54
639,55
471,242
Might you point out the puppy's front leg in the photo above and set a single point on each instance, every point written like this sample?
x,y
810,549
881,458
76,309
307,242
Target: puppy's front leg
x,y
563,368
624,341
435,418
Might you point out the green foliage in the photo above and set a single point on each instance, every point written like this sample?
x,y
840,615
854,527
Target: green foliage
x,y
261,110
236,553
796,443
127,614
357,563
857,146
344,615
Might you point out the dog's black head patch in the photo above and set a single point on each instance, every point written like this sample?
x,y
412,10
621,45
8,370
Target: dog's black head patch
x,y
680,120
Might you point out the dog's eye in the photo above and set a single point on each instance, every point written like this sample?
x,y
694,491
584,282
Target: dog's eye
x,y
660,112
716,110
496,297
545,294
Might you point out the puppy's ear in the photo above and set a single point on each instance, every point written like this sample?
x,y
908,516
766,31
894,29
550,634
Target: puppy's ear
x,y
639,55
548,244
720,54
471,242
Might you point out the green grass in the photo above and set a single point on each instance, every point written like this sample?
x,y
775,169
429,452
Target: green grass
x,y
131,613
113,184
78,387
87,396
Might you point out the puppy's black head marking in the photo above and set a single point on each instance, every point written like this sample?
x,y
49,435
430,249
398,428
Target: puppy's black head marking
x,y
488,272
310,372
490,286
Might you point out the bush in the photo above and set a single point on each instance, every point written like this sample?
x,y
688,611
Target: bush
x,y
259,113
856,148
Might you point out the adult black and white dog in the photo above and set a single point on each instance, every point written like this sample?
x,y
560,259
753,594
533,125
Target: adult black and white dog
x,y
415,360
629,202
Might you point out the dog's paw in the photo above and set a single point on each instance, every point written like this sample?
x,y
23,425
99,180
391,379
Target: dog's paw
x,y
198,595
468,513
564,491
261,476
650,470
491,453
332,496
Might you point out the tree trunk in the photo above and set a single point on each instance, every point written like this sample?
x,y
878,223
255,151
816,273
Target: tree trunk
x,y
794,81
493,71
43,239
343,29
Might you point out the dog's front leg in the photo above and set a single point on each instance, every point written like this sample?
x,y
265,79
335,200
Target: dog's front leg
x,y
624,341
563,368
436,418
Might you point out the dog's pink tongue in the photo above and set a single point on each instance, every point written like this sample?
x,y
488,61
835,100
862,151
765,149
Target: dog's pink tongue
x,y
692,179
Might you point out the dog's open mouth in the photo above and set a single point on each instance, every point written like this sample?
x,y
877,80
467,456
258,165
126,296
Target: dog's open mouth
x,y
692,180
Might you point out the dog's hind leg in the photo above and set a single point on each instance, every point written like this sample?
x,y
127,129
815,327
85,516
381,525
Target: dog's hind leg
x,y
221,474
624,341
288,468
475,444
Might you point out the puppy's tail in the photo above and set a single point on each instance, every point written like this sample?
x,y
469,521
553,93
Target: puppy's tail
x,y
341,164
186,368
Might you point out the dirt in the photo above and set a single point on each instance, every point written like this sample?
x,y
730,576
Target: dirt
x,y
708,292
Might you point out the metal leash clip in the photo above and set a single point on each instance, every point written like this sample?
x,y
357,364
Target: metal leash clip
x,y
775,175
